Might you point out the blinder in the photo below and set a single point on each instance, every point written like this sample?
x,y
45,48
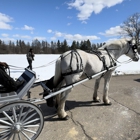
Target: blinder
x,y
134,47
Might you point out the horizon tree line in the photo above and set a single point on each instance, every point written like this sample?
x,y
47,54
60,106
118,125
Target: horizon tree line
x,y
43,47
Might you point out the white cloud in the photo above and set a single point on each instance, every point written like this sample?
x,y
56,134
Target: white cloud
x,y
58,34
111,39
84,22
26,27
4,35
26,36
22,36
32,32
4,20
79,37
40,38
57,8
68,24
87,7
7,39
113,31
49,31
70,37
69,17
53,38
16,35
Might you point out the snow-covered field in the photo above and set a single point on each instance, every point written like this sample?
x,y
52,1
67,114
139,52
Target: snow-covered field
x,y
44,65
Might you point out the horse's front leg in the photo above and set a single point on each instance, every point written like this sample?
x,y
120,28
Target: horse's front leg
x,y
107,78
61,105
96,87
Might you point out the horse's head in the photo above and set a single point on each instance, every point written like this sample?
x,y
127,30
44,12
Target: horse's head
x,y
132,51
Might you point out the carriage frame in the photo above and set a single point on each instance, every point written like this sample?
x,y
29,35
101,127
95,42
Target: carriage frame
x,y
23,119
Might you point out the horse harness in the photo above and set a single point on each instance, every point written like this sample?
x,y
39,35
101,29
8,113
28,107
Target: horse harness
x,y
80,64
98,54
102,58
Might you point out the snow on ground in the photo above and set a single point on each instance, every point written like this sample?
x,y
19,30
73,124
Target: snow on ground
x,y
128,68
44,65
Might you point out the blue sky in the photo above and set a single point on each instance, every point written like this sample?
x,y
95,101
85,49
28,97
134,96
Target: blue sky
x,y
53,20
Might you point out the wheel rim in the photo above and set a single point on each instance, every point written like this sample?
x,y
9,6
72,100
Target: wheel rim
x,y
20,121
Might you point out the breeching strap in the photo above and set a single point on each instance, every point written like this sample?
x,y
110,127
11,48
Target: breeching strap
x,y
79,64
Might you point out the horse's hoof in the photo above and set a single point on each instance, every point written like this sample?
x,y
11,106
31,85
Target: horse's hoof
x,y
96,100
108,104
65,118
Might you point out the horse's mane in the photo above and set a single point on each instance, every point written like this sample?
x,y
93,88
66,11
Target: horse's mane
x,y
115,44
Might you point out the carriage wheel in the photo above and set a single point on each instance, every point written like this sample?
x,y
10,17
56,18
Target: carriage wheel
x,y
20,121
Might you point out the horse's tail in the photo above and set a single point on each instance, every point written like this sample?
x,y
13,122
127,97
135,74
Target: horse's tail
x,y
53,83
58,74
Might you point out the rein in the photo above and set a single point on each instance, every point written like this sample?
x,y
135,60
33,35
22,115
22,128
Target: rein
x,y
134,47
15,67
115,60
21,68
124,62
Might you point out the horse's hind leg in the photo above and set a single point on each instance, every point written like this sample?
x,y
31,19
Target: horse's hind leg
x,y
96,87
61,103
61,99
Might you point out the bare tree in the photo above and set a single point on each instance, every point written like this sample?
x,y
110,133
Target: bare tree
x,y
132,27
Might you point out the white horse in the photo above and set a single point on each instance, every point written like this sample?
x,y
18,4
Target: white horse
x,y
72,65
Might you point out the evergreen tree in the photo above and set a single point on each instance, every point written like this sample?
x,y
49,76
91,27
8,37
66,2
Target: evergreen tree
x,y
88,43
73,46
59,47
77,45
65,46
94,47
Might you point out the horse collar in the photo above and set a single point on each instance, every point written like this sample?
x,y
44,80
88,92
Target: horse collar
x,y
113,63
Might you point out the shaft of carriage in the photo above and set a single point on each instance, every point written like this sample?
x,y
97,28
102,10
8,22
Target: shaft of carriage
x,y
65,88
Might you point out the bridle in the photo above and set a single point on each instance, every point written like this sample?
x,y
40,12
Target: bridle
x,y
134,47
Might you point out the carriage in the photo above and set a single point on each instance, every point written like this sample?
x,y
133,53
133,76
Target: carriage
x,y
22,119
